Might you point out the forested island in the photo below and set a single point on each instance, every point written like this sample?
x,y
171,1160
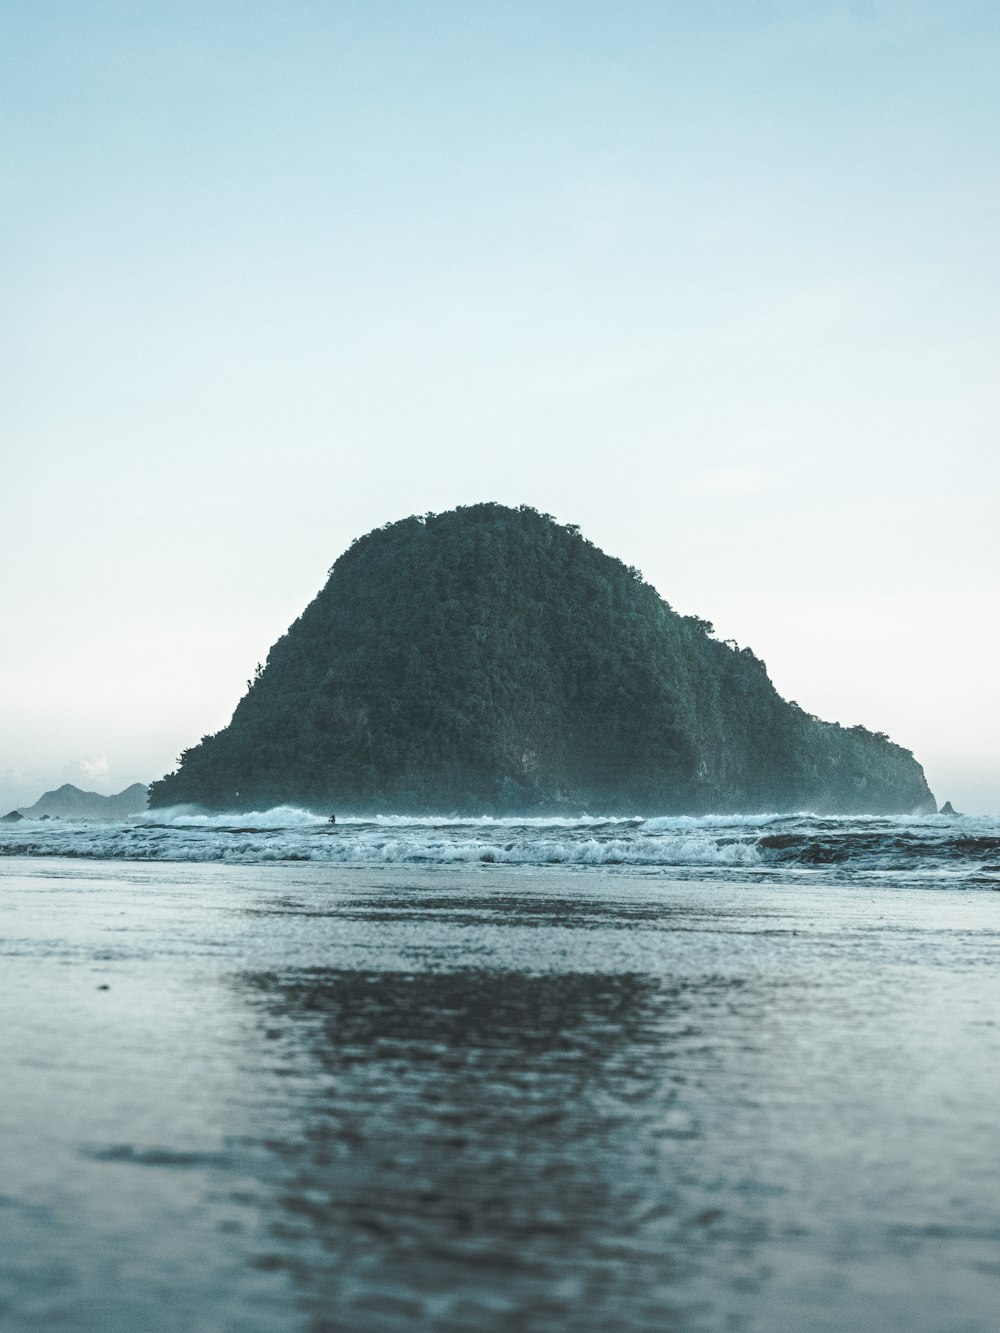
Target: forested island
x,y
492,660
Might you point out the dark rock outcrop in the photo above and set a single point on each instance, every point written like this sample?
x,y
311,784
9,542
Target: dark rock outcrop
x,y
491,660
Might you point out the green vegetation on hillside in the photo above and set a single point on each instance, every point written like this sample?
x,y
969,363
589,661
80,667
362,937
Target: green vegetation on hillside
x,y
489,659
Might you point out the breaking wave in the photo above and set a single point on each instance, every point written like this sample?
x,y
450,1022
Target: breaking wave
x,y
923,849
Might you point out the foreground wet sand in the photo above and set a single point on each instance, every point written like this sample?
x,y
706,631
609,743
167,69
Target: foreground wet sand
x,y
309,1098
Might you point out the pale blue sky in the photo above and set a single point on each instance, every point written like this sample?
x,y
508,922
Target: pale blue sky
x,y
717,281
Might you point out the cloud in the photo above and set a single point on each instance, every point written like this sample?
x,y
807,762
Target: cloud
x,y
93,768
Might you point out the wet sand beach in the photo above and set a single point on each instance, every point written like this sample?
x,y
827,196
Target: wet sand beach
x,y
304,1097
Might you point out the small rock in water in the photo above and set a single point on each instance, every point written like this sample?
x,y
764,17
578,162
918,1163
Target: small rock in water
x,y
948,809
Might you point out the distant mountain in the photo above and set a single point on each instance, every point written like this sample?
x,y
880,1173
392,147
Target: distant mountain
x,y
69,802
492,660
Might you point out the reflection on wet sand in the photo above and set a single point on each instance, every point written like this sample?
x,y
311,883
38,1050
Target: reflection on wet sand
x,y
273,1100
490,1151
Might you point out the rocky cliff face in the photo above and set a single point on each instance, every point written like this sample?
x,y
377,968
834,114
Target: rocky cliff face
x,y
490,659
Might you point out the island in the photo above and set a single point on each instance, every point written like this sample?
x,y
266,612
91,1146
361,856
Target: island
x,y
69,802
492,660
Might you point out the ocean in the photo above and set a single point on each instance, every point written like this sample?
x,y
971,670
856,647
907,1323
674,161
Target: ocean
x,y
267,1073
930,850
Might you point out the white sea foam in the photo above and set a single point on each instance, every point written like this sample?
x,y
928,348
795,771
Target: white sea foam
x,y
288,816
191,816
289,834
927,849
